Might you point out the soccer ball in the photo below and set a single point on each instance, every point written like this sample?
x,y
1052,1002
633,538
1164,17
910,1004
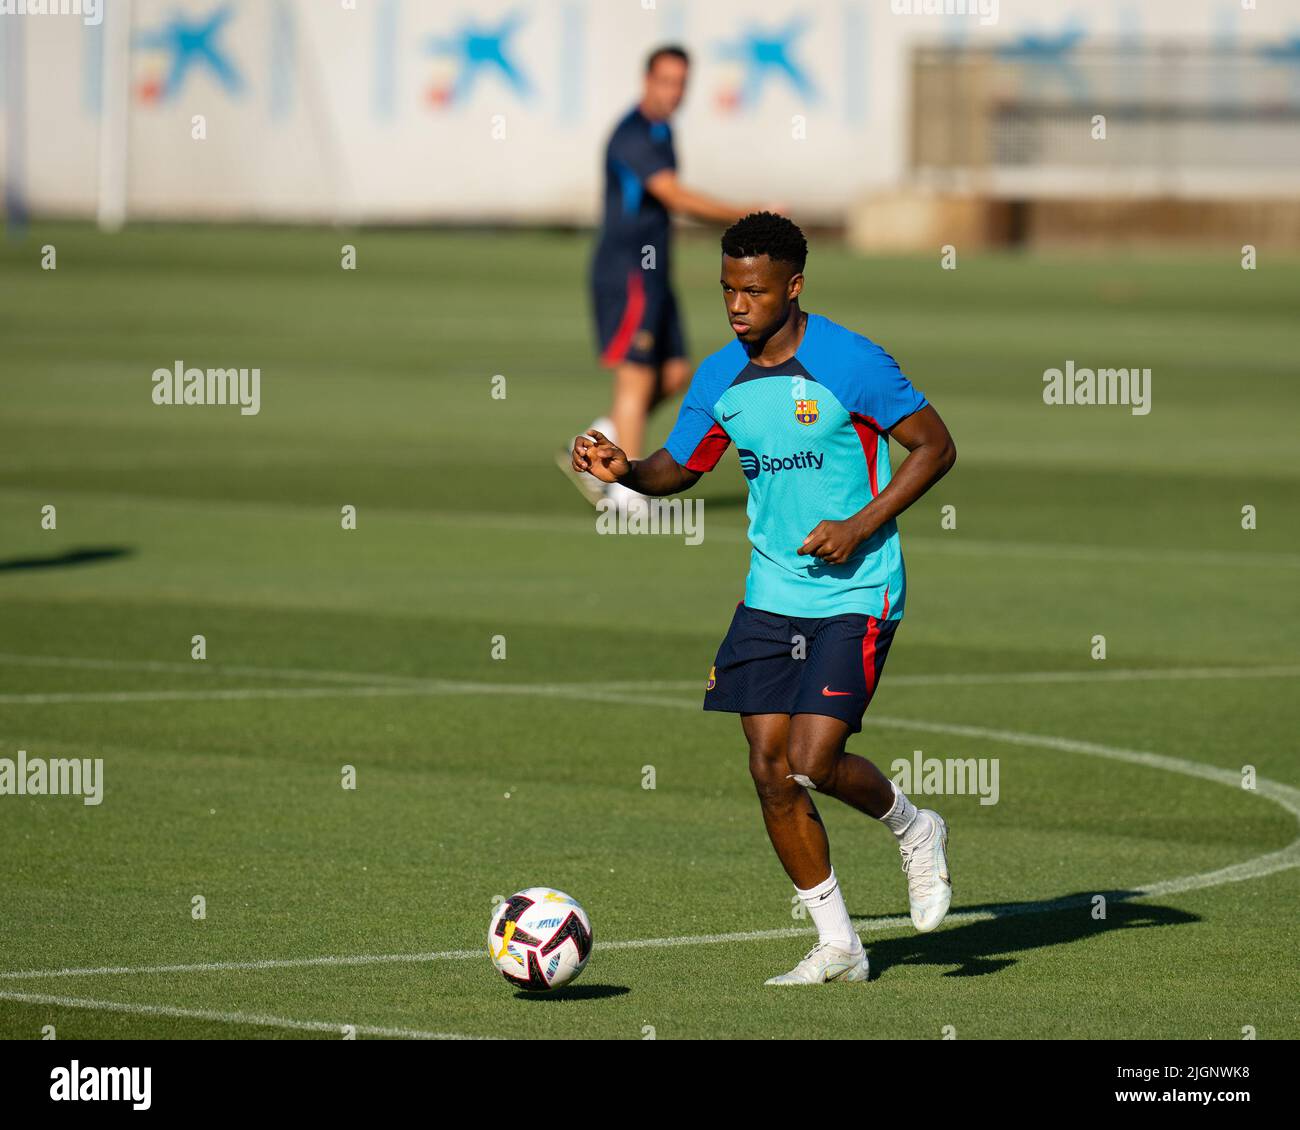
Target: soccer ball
x,y
539,939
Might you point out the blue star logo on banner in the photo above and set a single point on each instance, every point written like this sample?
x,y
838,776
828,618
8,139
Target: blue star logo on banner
x,y
765,53
477,49
1286,54
190,44
1046,59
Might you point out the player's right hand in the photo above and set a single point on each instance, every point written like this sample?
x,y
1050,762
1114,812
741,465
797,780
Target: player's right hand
x,y
596,453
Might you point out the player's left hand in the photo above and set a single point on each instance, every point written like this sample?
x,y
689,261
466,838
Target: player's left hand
x,y
594,452
832,543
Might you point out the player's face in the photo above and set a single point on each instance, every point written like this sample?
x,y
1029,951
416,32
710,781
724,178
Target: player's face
x,y
758,293
665,87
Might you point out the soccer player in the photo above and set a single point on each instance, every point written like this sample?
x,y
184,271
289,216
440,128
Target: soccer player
x,y
638,325
810,406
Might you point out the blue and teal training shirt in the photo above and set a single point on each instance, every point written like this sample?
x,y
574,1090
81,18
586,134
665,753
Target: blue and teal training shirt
x,y
812,436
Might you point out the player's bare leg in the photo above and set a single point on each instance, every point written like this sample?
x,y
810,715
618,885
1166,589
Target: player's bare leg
x,y
797,834
674,376
819,760
638,389
793,824
817,753
634,393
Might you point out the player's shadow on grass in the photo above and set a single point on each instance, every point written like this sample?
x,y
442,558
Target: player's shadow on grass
x,y
977,948
576,993
83,555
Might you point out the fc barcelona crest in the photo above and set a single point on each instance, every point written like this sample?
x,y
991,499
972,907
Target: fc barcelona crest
x,y
713,679
805,411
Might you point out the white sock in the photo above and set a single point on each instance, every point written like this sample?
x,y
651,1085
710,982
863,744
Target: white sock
x,y
825,902
902,816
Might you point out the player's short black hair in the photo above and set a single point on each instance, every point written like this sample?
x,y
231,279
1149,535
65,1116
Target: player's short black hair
x,y
766,233
672,50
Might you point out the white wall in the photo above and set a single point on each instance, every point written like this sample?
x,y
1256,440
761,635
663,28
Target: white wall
x,y
338,114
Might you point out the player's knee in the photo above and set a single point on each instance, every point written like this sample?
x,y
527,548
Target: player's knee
x,y
635,383
777,792
810,767
769,773
673,378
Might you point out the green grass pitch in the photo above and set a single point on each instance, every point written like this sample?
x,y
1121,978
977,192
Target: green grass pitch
x,y
478,776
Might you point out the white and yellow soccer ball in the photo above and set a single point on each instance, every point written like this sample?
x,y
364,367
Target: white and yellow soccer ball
x,y
539,939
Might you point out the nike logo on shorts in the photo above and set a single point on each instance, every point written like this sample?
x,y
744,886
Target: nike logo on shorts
x,y
831,694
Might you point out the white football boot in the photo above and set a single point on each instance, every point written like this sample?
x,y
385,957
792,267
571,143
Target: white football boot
x,y
925,863
590,487
826,962
627,501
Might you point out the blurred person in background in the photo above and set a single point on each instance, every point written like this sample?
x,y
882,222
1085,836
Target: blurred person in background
x,y
638,322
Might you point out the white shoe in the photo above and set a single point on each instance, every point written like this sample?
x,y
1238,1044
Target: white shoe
x,y
925,863
826,962
627,501
590,487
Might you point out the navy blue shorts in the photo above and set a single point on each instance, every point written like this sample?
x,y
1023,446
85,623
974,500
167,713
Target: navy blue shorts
x,y
771,664
636,318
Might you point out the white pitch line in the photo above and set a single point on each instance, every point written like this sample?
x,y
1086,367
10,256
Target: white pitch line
x,y
611,692
581,693
976,547
230,694
201,668
257,1020
200,696
1119,675
1284,795
364,684
868,925
719,531
245,966
389,684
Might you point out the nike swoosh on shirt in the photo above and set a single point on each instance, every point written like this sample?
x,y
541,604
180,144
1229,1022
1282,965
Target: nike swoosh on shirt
x,y
725,417
830,693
